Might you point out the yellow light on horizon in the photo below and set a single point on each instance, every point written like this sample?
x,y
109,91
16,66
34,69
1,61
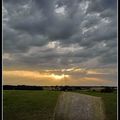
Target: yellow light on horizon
x,y
35,74
59,76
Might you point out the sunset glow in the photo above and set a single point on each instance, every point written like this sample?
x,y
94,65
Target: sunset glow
x,y
37,75
58,76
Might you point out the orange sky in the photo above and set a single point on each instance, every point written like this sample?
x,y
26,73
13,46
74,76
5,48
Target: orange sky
x,y
70,76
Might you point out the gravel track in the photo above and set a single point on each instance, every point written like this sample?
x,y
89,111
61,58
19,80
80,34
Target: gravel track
x,y
75,106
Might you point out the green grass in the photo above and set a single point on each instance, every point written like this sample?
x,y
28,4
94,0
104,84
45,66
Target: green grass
x,y
39,105
29,105
110,103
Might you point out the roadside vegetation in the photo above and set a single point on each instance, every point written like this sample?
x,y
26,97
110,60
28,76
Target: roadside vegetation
x,y
109,100
29,105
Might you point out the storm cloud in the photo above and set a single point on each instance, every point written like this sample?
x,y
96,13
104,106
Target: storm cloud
x,y
57,34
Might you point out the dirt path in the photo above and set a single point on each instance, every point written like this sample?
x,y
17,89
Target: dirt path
x,y
75,106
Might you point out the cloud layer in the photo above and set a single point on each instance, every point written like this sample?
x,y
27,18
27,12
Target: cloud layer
x,y
58,34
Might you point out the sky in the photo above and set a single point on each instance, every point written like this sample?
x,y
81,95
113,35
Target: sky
x,y
60,42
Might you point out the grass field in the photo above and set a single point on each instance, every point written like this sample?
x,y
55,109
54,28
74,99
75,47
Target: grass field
x,y
29,105
39,105
110,103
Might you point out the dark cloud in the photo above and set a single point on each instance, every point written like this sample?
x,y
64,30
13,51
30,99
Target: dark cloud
x,y
50,33
101,5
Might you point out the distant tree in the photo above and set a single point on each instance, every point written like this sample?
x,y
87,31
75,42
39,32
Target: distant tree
x,y
107,89
93,90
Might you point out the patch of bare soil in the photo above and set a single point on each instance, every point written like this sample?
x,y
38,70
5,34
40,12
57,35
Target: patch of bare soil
x,y
75,106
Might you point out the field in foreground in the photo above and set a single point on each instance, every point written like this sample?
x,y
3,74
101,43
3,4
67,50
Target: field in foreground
x,y
39,105
29,105
110,103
